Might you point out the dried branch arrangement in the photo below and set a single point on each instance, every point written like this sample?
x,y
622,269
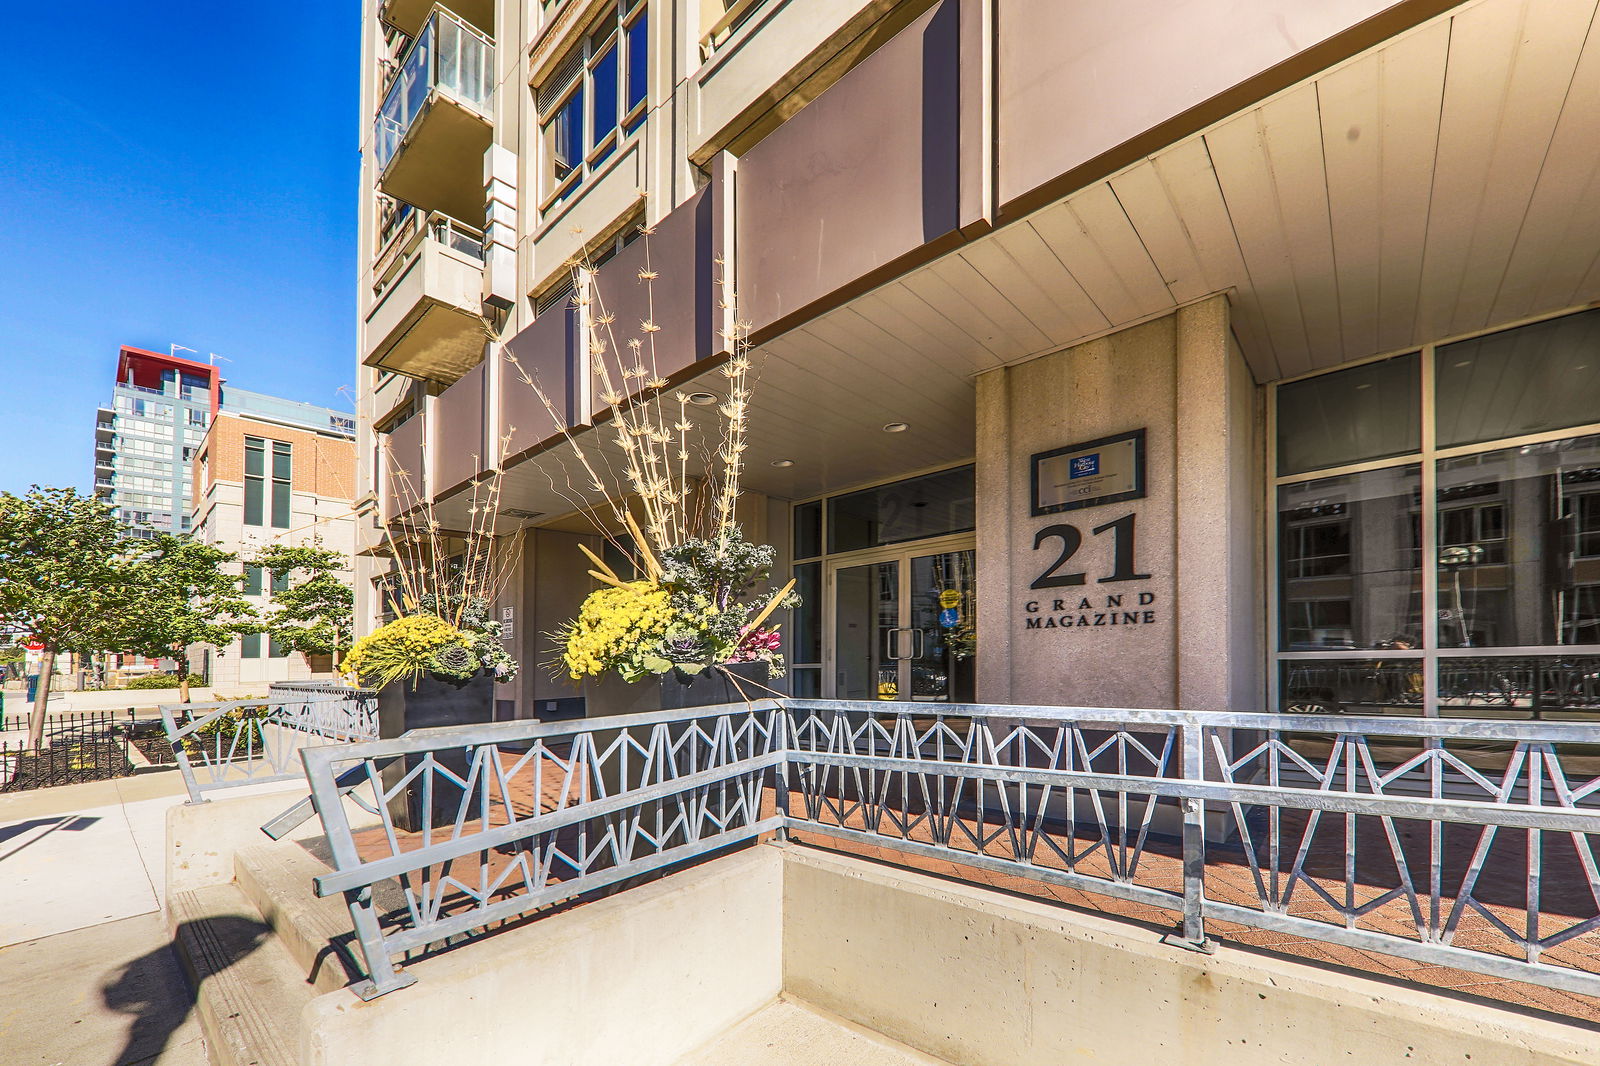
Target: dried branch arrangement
x,y
448,579
692,608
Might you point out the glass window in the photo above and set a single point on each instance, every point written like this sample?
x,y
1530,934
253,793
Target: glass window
x,y
805,635
281,484
280,581
918,507
609,88
1509,564
564,134
1350,416
255,485
638,63
1349,561
252,580
808,530
603,76
250,646
1525,380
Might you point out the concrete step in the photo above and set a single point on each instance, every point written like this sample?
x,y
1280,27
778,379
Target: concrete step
x,y
790,1033
315,930
250,991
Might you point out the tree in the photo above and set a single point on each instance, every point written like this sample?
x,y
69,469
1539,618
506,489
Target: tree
x,y
313,607
188,599
69,579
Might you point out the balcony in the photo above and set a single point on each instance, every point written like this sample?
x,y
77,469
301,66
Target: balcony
x,y
104,429
435,123
408,16
103,486
427,296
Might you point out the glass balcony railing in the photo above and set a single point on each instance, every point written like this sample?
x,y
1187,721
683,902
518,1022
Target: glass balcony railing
x,y
447,56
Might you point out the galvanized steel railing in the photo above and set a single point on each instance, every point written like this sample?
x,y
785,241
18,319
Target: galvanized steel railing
x,y
480,824
1395,835
254,741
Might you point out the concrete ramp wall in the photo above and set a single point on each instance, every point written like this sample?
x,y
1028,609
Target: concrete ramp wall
x,y
972,976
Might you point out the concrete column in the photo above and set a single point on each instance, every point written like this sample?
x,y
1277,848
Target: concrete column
x,y
1150,601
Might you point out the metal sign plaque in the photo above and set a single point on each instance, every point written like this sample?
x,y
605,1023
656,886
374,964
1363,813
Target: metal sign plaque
x,y
1094,472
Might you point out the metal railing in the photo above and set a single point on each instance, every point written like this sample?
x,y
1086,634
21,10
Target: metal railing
x,y
1438,840
449,55
253,741
480,824
405,243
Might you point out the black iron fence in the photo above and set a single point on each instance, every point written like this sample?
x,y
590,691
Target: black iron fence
x,y
89,746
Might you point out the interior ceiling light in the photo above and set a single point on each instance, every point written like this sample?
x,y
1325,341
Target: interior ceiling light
x,y
896,427
702,399
783,462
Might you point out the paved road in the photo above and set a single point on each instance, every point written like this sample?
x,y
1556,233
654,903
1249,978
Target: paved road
x,y
89,972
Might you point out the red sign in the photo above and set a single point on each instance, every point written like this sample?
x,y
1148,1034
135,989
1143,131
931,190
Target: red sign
x,y
34,645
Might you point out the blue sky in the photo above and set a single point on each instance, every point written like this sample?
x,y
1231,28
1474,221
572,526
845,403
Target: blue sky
x,y
171,173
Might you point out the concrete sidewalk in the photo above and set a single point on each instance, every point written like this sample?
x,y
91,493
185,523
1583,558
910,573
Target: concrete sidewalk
x,y
84,947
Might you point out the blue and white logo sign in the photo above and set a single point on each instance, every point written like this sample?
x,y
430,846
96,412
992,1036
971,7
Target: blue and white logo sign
x,y
1085,465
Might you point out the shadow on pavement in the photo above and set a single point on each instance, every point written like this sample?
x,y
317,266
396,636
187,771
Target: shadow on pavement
x,y
143,988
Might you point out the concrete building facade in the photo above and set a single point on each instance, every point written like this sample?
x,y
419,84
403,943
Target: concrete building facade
x,y
1209,356
260,480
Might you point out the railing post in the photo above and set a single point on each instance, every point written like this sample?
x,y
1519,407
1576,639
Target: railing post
x,y
1191,935
181,755
780,743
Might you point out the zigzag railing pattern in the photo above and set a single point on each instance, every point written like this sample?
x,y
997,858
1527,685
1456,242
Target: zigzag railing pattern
x,y
480,824
1459,843
246,742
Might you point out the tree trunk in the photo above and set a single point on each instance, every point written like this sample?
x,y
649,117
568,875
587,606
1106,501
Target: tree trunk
x,y
183,686
41,699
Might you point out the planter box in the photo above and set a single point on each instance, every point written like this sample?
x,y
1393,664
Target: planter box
x,y
427,703
730,683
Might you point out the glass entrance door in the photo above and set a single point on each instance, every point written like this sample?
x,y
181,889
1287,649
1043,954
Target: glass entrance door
x,y
903,626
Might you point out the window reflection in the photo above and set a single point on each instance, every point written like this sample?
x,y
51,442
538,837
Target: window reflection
x,y
1350,568
1518,529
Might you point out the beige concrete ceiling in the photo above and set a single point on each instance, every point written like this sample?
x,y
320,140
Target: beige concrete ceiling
x,y
1443,182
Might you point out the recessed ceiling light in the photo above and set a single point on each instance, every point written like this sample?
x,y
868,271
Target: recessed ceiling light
x,y
1366,385
1464,362
783,462
702,399
896,427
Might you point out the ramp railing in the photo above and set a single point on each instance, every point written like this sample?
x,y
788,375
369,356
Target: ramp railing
x,y
481,824
230,743
1459,843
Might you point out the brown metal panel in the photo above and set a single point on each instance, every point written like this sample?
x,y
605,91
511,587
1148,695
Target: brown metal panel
x,y
679,300
458,432
403,468
545,352
869,171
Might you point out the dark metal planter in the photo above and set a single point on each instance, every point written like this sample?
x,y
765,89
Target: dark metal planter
x,y
428,702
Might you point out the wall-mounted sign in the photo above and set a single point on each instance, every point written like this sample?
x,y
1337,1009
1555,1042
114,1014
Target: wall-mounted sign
x,y
1107,470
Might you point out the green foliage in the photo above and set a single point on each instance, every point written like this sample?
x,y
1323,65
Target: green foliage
x,y
187,597
70,575
315,614
454,663
217,736
402,649
163,681
698,615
